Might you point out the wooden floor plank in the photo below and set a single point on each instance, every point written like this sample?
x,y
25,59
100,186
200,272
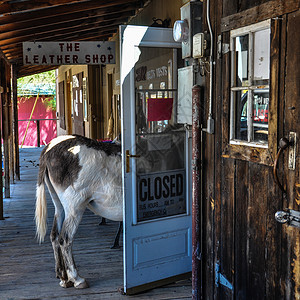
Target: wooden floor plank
x,y
27,268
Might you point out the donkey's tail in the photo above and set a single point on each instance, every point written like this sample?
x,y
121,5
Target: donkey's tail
x,y
41,204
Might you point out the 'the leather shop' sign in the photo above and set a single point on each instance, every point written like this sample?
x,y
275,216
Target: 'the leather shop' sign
x,y
68,53
161,194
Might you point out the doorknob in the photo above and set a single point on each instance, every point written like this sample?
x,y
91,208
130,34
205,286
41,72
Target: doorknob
x,y
283,144
128,155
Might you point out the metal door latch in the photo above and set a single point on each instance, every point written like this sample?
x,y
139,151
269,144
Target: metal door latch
x,y
128,156
291,217
292,150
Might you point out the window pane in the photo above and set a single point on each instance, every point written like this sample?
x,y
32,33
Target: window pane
x,y
241,60
261,57
241,131
260,115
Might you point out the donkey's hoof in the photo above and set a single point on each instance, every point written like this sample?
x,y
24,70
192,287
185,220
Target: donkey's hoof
x,y
82,285
66,284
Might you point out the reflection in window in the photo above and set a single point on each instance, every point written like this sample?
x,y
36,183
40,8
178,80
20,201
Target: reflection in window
x,y
250,48
241,58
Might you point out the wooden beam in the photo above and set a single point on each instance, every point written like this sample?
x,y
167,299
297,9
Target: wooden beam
x,y
35,24
10,8
2,55
26,70
267,10
28,33
21,6
52,35
63,10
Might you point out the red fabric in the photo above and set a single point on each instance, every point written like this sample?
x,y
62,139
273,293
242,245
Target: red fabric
x,y
160,109
41,111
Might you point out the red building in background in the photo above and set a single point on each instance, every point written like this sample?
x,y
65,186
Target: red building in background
x,y
43,116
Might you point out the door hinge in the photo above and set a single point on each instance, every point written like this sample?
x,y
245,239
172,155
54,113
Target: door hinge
x,y
221,279
291,217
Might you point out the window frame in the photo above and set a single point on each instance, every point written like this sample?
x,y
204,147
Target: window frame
x,y
253,151
250,87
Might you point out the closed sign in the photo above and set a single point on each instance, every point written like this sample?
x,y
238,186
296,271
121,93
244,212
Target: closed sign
x,y
161,194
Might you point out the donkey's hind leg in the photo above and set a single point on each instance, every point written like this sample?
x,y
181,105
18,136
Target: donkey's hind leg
x,y
59,216
73,217
60,267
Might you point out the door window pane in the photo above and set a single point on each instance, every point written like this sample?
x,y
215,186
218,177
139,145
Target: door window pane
x,y
261,59
241,98
250,83
261,115
241,60
160,141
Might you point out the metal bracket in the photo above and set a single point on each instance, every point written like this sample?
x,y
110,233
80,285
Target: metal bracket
x,y
292,150
291,217
221,279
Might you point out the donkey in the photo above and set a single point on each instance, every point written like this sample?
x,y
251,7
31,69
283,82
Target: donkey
x,y
80,173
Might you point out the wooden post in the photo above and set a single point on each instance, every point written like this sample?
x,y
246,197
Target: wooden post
x,y
10,122
2,70
197,195
38,133
5,128
15,122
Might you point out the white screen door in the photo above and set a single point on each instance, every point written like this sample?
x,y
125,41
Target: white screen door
x,y
156,168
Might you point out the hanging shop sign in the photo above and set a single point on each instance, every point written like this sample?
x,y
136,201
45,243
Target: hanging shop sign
x,y
68,53
161,194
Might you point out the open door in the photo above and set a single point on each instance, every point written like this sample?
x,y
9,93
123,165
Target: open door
x,y
156,155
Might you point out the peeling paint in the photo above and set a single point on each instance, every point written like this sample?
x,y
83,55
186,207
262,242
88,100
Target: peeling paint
x,y
296,268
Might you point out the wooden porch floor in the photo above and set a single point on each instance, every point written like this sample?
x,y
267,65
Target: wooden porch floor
x,y
27,268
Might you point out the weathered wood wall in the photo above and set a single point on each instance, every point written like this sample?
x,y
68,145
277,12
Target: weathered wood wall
x,y
259,256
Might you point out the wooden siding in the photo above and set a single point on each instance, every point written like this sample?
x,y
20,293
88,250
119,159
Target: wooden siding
x,y
257,255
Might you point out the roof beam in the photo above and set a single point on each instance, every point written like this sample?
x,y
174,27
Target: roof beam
x,y
58,19
54,32
31,70
12,7
64,26
62,10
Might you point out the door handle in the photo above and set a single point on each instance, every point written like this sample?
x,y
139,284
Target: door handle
x,y
283,144
128,156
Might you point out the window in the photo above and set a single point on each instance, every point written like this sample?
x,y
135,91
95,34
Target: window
x,y
250,79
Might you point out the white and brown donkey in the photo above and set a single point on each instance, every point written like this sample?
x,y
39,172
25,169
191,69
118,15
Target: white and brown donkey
x,y
80,173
